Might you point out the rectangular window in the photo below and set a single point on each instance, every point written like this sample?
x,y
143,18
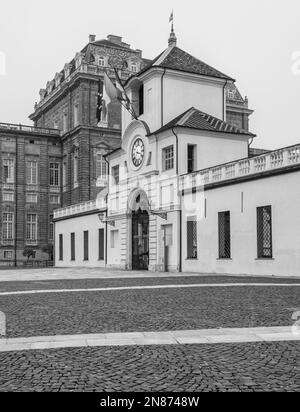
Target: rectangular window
x,y
116,174
168,158
73,247
114,238
192,241
54,199
61,247
76,114
54,174
100,166
86,245
101,243
31,173
75,168
51,228
7,226
264,233
31,227
31,198
168,231
224,236
8,171
191,158
141,100
8,255
64,172
8,197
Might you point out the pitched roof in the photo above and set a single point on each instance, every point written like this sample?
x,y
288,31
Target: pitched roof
x,y
176,59
195,119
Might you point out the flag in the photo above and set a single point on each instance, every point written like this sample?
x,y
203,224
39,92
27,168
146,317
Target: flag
x,y
171,17
111,92
99,101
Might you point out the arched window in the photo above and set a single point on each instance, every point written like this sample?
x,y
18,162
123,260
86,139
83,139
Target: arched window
x,y
101,61
134,68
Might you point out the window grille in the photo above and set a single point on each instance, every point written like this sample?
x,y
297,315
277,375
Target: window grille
x,y
264,232
192,244
224,236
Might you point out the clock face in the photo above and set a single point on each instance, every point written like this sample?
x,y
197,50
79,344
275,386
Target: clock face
x,y
138,152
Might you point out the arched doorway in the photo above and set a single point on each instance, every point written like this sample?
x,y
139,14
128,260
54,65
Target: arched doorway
x,y
139,207
140,240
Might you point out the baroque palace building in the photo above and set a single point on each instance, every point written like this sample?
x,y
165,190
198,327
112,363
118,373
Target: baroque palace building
x,y
60,160
185,193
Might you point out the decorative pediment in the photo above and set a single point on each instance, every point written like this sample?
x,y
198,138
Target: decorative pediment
x,y
43,93
58,79
79,59
67,69
50,85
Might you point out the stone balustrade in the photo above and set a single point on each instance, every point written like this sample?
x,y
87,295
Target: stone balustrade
x,y
278,159
80,208
29,129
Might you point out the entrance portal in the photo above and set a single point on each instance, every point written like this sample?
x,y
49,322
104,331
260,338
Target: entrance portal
x,y
140,240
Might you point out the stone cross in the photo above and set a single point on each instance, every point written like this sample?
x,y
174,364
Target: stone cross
x,y
2,324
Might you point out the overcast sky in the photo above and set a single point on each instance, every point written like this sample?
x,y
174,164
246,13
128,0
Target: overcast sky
x,y
251,41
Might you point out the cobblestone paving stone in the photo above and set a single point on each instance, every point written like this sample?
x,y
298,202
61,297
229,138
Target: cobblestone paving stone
x,y
104,283
218,368
149,310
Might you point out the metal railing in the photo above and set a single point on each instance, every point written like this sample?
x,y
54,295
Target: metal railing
x,y
278,159
29,129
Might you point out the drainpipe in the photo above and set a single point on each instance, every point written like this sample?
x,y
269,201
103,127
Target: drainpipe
x,y
106,197
16,203
162,97
180,211
224,106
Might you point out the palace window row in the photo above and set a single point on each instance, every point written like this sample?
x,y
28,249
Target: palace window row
x,y
264,235
31,235
32,172
85,245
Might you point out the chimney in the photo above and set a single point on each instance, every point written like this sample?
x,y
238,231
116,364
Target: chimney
x,y
92,38
114,39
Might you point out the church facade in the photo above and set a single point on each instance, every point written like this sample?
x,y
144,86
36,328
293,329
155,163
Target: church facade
x,y
185,191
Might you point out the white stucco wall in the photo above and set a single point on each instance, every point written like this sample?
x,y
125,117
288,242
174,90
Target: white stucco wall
x,y
211,150
78,225
283,194
182,93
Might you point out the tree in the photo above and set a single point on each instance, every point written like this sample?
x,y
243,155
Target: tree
x,y
29,253
50,250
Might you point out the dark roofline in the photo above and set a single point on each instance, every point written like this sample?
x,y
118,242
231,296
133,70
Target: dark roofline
x,y
243,133
113,152
172,125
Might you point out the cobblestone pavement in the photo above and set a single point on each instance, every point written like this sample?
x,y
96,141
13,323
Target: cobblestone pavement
x,y
149,310
225,367
105,283
212,367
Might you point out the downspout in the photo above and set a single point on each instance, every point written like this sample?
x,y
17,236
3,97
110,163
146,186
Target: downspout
x,y
16,204
224,108
180,211
106,212
162,97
